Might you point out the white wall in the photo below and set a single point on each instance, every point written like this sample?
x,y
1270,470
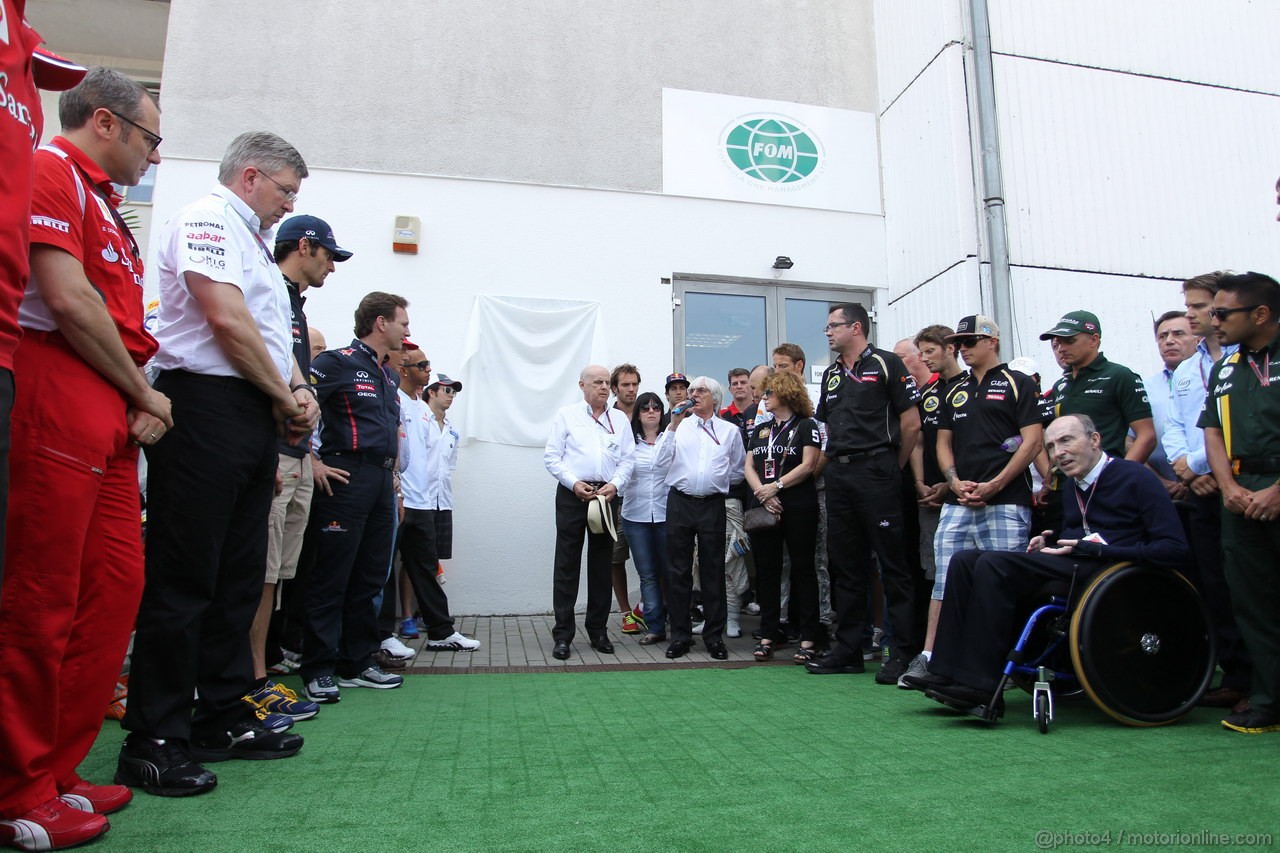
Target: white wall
x,y
551,242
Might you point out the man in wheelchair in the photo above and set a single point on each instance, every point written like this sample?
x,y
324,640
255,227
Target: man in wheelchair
x,y
1113,510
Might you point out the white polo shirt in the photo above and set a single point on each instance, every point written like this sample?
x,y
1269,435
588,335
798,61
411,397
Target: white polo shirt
x,y
220,237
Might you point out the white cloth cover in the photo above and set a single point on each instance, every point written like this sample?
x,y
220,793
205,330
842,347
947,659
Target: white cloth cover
x,y
521,363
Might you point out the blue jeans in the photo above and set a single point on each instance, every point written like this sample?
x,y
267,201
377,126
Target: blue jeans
x,y
648,543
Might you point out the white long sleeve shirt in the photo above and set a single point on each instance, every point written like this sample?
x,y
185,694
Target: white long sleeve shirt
x,y
706,457
427,482
646,493
582,447
1181,436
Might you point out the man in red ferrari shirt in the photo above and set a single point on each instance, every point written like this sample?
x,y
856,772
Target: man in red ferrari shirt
x,y
81,410
23,67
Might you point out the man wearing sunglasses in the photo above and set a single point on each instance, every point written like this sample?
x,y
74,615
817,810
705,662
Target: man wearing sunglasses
x,y
1241,421
83,406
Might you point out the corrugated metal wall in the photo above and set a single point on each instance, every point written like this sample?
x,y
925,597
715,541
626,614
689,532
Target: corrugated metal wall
x,y
1137,145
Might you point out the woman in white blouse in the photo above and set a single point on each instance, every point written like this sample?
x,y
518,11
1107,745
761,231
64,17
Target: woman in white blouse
x,y
644,514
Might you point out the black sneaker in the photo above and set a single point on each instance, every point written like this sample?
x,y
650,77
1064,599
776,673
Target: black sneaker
x,y
891,670
162,768
1255,721
248,740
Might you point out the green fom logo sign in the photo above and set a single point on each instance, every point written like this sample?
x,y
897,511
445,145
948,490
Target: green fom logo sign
x,y
773,151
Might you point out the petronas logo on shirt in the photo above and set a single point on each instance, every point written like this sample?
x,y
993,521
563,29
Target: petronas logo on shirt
x,y
110,255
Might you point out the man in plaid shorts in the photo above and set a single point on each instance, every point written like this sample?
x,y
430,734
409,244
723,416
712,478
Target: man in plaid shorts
x,y
989,430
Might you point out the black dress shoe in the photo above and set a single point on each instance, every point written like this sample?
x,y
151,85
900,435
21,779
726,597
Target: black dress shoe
x,y
962,697
836,663
928,681
679,648
561,650
602,645
717,651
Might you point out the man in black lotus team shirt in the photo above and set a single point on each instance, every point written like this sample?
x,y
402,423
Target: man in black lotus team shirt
x,y
988,432
869,406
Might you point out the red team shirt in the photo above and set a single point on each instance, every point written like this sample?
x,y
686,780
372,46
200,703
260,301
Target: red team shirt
x,y
71,214
21,124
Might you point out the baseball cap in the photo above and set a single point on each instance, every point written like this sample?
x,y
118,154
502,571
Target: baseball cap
x,y
1074,323
1025,365
408,344
313,228
675,379
976,324
442,379
55,73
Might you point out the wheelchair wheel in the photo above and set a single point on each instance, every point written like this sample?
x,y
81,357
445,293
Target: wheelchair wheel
x,y
1042,714
1142,645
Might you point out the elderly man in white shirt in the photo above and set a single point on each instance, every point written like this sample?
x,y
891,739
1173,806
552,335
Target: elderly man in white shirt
x,y
591,452
706,459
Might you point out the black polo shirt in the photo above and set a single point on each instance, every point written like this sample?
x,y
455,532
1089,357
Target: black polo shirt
x,y
985,419
359,408
301,353
861,404
930,401
1110,393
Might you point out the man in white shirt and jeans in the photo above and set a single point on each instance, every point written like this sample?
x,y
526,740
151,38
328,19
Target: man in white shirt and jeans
x,y
706,458
591,452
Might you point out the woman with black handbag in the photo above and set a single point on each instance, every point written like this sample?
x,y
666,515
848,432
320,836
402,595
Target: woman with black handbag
x,y
782,454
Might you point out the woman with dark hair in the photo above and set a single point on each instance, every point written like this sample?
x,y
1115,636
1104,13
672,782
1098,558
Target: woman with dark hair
x,y
782,455
644,513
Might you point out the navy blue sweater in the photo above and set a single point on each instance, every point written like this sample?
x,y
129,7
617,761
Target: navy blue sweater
x,y
1133,513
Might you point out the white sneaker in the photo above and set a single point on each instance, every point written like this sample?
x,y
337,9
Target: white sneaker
x,y
397,649
732,630
372,677
751,608
455,642
697,629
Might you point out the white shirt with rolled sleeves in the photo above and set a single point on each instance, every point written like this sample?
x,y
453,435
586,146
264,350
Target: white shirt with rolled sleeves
x,y
706,458
646,492
219,237
583,448
1181,436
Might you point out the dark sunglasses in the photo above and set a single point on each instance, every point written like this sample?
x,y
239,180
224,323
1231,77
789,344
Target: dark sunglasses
x,y
651,407
970,340
421,365
1221,314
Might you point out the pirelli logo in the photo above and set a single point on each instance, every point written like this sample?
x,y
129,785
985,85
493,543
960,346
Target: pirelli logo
x,y
47,222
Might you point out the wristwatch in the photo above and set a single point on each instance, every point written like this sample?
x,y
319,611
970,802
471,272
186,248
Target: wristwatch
x,y
778,483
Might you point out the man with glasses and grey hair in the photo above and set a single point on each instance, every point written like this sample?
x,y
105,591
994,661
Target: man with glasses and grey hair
x,y
706,459
75,565
226,362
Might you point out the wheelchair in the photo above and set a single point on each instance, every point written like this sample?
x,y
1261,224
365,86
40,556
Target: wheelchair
x,y
1137,641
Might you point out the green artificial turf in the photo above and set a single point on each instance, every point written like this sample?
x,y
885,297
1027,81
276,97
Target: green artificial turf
x,y
766,758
